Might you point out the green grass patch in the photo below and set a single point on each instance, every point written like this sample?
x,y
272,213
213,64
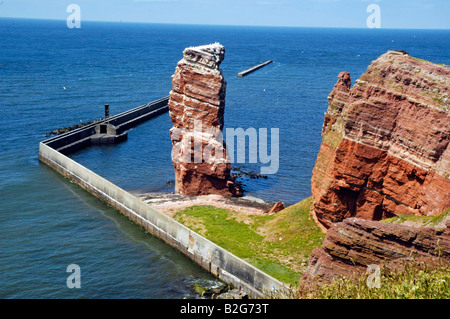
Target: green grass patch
x,y
425,220
221,228
296,228
332,137
416,281
276,244
425,61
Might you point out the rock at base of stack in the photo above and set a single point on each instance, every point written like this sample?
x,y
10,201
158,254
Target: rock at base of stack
x,y
276,208
196,107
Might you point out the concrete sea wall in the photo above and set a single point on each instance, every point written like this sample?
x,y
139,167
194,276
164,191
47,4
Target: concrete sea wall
x,y
253,69
81,137
213,258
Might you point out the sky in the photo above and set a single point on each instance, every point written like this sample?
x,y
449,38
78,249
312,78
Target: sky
x,y
398,14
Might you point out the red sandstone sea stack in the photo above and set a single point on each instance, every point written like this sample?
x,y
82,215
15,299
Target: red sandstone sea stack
x,y
196,107
385,148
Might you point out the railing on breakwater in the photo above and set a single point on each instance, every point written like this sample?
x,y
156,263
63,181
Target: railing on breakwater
x,y
211,257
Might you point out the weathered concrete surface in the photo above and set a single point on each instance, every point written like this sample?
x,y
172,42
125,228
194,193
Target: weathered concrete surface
x,y
106,133
253,69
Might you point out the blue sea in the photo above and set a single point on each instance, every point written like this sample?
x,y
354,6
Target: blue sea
x,y
52,76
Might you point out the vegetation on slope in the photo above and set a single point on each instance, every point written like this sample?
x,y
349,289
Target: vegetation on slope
x,y
416,281
277,244
280,245
423,220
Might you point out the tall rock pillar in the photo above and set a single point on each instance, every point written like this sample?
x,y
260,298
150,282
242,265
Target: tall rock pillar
x,y
196,107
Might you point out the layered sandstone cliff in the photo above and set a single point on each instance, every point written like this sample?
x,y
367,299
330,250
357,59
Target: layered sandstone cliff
x,y
354,244
385,148
196,107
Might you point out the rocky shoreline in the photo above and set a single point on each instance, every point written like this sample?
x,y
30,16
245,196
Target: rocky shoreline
x,y
62,130
170,203
222,291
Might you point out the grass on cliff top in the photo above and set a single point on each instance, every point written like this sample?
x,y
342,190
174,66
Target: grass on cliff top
x,y
424,220
277,244
416,281
426,61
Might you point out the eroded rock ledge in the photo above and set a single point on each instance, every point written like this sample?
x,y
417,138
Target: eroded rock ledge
x,y
385,148
353,244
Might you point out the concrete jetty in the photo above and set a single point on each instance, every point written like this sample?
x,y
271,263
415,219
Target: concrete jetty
x,y
211,257
110,130
253,69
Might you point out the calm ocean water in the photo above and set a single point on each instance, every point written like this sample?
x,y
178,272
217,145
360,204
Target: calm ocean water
x,y
52,76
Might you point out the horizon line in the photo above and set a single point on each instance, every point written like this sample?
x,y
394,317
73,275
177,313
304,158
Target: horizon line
x,y
225,25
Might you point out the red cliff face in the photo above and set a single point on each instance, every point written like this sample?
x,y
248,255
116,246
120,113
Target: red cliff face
x,y
385,148
196,107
